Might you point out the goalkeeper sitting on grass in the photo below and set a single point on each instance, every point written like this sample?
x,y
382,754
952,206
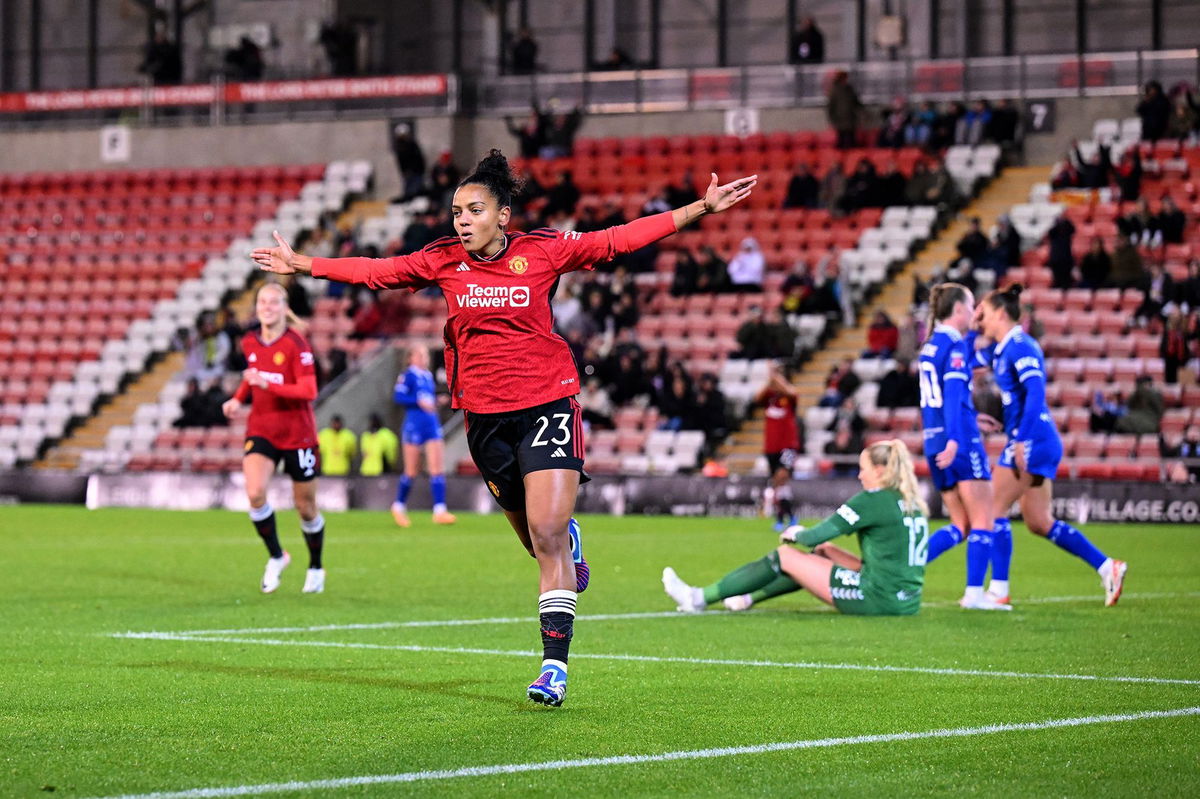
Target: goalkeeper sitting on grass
x,y
889,517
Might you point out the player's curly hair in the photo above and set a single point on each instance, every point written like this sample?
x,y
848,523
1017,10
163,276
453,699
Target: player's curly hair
x,y
494,173
898,474
1007,298
942,299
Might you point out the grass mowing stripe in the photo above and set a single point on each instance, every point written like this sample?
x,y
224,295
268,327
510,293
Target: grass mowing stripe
x,y
663,614
945,672
628,760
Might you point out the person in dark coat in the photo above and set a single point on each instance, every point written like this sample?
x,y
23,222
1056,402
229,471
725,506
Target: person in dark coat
x,y
843,108
1155,112
1062,260
808,44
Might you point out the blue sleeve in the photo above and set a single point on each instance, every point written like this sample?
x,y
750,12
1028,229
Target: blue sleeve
x,y
982,358
406,390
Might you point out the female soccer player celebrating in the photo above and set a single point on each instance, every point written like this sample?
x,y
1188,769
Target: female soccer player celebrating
x,y
1029,463
282,382
888,516
958,462
415,390
514,378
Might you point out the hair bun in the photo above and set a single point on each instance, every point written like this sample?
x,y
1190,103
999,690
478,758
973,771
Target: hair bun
x,y
1014,290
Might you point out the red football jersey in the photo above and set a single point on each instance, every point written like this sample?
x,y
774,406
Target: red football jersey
x,y
285,422
779,429
502,353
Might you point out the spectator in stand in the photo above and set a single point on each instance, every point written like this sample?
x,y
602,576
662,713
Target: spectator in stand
x,y
1141,226
444,176
686,279
890,187
882,337
625,312
765,336
1188,449
1144,411
920,125
973,246
207,351
843,108
563,196
1127,174
193,407
803,191
1106,409
1031,324
162,61
1182,122
617,59
1065,173
781,436
945,126
714,272
1095,267
840,384
1189,290
658,203
1062,259
418,234
627,381
676,404
841,449
1158,299
340,41
1004,128
596,404
380,448
339,447
899,388
558,133
410,161
919,183
797,290
941,190
1170,221
1005,249
895,121
912,334
1127,270
807,44
747,267
1154,110
529,134
833,187
862,188
244,62
972,128
1173,347
708,413
524,53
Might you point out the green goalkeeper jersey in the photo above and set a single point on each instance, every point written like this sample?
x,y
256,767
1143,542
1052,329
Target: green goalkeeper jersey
x,y
893,542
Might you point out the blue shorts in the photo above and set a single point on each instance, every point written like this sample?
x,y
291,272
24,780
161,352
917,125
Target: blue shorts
x,y
421,430
1042,456
970,463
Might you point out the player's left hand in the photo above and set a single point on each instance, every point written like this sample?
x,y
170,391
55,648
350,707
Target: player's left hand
x,y
947,455
720,198
281,260
789,535
254,378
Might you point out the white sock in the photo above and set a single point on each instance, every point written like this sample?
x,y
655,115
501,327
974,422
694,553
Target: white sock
x,y
258,514
998,588
553,662
973,592
400,506
1105,568
440,507
698,597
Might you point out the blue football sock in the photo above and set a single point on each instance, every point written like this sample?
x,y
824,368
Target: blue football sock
x,y
1067,537
402,489
946,538
1002,549
437,484
979,550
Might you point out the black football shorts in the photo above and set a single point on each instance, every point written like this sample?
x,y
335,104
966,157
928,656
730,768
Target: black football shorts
x,y
301,465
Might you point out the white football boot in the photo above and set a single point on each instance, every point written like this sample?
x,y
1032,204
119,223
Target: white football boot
x,y
687,599
314,581
275,567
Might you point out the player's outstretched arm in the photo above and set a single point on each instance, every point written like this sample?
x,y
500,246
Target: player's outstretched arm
x,y
281,260
715,200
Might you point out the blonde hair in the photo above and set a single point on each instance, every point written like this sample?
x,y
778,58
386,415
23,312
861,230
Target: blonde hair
x,y
898,474
293,321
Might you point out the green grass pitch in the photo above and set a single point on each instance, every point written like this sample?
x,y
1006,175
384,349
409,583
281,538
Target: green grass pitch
x,y
89,714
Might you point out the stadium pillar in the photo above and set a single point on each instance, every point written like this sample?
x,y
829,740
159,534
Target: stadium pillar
x,y
655,33
457,53
7,46
93,50
502,14
860,30
722,33
35,45
589,33
1008,22
1156,25
1081,28
935,21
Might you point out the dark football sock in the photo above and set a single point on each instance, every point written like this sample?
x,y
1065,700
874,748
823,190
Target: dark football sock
x,y
264,523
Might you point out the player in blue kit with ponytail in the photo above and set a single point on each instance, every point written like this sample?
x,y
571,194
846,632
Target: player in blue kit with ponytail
x,y
958,462
417,392
1029,463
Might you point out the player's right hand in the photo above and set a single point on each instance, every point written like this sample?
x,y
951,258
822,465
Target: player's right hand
x,y
789,535
230,407
947,455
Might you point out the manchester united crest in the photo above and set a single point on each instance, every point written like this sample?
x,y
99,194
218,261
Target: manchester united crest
x,y
492,487
518,264
279,358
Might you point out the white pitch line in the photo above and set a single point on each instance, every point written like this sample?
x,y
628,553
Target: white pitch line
x,y
948,672
666,614
662,757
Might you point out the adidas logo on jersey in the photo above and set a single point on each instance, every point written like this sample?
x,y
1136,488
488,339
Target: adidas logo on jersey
x,y
462,267
558,453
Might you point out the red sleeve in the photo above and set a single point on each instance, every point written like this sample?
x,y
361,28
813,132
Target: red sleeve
x,y
305,389
582,250
243,392
403,271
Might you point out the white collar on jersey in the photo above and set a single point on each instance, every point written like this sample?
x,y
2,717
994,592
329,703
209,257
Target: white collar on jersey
x,y
503,249
949,331
1013,333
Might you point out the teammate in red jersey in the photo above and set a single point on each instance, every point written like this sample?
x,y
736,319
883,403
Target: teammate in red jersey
x,y
507,369
781,444
282,382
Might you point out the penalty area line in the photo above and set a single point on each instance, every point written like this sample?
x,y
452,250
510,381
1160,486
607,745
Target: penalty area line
x,y
662,757
868,667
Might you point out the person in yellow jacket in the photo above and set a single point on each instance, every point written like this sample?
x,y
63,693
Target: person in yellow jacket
x,y
338,448
379,447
